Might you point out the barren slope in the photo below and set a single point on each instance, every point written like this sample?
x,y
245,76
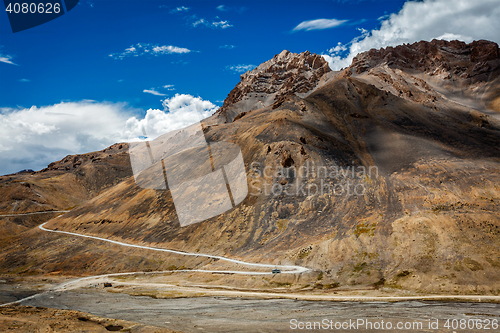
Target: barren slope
x,y
62,185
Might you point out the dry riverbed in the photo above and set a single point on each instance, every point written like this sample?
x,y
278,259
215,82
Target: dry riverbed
x,y
197,302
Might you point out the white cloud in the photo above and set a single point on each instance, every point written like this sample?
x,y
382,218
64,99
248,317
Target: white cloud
x,y
383,17
213,24
153,92
7,59
426,20
34,137
240,68
319,24
222,24
200,21
224,8
448,36
339,48
168,49
179,9
149,49
227,47
24,80
178,111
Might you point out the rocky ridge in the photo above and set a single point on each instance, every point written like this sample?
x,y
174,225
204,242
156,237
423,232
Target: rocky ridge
x,y
285,74
435,73
61,185
477,61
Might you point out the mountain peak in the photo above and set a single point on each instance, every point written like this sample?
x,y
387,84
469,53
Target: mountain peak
x,y
283,54
285,74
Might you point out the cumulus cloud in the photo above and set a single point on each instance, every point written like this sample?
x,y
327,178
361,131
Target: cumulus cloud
x,y
34,137
426,20
319,24
227,47
141,49
240,68
222,8
212,24
178,112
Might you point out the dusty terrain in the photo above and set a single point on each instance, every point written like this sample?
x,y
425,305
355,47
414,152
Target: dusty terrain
x,y
37,319
241,314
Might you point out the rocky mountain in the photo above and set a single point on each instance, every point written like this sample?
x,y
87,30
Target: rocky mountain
x,y
62,185
425,72
477,61
284,75
385,173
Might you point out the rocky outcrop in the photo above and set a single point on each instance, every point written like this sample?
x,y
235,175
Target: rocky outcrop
x,y
114,152
437,74
285,74
477,60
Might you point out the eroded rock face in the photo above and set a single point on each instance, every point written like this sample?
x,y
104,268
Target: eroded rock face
x,y
466,61
285,74
439,74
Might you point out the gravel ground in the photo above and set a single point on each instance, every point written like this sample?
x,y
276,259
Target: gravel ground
x,y
224,314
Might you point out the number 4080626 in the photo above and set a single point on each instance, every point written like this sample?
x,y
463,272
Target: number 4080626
x,y
40,8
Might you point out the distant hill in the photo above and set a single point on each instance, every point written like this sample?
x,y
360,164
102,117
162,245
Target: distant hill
x,y
62,185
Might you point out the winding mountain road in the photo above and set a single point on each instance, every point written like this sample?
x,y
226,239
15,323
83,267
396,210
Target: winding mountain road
x,y
80,282
285,269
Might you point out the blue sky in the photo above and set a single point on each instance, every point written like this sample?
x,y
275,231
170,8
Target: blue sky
x,y
67,59
107,69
